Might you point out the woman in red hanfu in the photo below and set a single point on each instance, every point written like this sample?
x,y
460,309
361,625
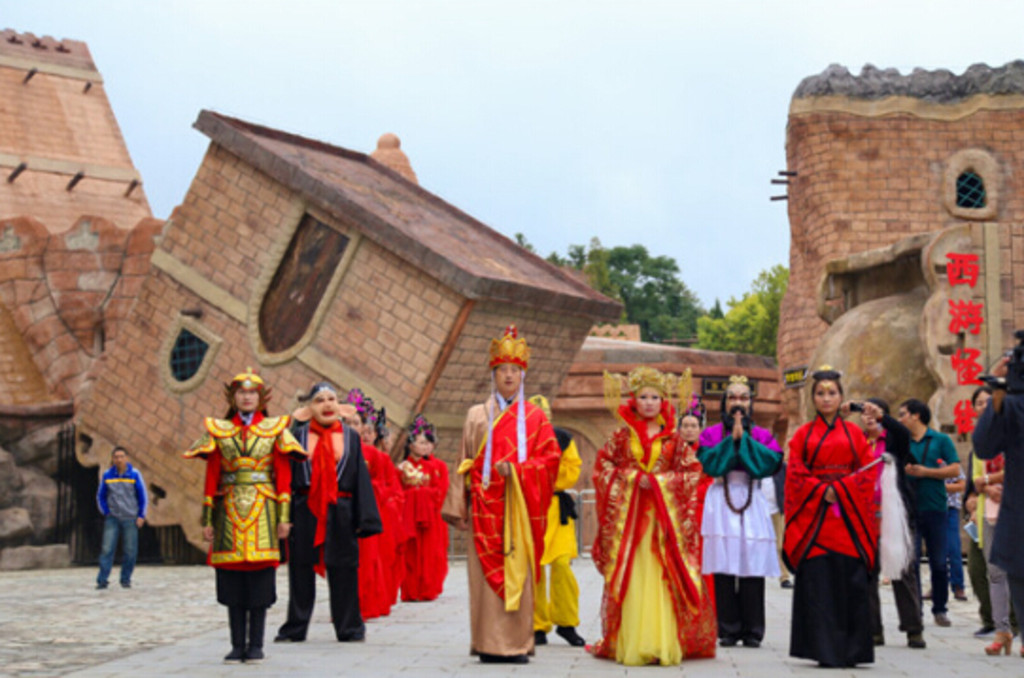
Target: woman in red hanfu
x,y
691,423
831,537
656,608
425,480
377,554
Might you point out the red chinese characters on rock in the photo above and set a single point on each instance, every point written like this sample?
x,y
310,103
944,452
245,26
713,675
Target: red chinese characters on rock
x,y
965,316
962,269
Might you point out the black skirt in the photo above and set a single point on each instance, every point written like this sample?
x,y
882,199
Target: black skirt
x,y
831,613
249,589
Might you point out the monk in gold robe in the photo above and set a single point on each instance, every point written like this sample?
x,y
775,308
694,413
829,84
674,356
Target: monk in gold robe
x,y
507,464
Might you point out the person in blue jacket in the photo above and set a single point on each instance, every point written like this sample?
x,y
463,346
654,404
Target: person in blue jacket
x,y
122,501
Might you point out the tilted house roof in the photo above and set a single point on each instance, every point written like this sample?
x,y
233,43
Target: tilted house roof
x,y
407,220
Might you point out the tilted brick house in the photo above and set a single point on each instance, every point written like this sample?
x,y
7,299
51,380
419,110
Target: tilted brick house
x,y
304,261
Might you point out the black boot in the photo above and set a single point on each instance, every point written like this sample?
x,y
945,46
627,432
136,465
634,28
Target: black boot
x,y
569,634
257,623
540,638
236,622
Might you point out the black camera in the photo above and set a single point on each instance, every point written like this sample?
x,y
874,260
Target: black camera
x,y
856,407
1014,381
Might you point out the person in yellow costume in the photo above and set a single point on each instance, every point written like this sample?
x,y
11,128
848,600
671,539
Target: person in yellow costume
x,y
559,606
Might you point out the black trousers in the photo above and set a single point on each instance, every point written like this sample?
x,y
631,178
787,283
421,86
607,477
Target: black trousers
x,y
301,577
908,607
343,583
740,605
301,599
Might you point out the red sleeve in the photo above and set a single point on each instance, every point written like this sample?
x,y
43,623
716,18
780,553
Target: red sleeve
x,y
282,475
804,501
212,481
439,482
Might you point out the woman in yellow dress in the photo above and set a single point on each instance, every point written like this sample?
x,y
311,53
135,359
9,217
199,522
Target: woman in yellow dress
x,y
656,609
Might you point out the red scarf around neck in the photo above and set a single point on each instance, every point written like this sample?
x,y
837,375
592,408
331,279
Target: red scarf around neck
x,y
323,486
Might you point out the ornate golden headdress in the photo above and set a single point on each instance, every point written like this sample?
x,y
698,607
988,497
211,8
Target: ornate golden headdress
x,y
639,378
685,390
739,379
647,377
248,379
509,348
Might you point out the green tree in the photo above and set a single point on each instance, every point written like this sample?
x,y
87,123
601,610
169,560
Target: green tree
x,y
523,242
649,288
751,324
654,296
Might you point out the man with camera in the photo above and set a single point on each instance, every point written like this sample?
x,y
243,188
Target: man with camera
x,y
888,435
1001,429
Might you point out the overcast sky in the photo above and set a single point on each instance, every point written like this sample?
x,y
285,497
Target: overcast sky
x,y
658,123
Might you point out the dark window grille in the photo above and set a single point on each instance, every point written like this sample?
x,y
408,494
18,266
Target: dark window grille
x,y
187,355
970,191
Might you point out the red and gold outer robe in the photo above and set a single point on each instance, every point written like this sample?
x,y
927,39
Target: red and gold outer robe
x,y
623,509
823,456
536,477
247,490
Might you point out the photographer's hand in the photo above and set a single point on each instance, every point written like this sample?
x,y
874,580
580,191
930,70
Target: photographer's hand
x,y
872,410
1001,367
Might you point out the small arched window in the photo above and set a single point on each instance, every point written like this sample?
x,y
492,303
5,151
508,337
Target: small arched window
x,y
970,190
187,355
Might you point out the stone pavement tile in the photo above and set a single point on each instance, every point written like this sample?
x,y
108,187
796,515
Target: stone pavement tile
x,y
53,623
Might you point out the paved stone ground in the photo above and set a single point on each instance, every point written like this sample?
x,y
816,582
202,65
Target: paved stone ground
x,y
53,623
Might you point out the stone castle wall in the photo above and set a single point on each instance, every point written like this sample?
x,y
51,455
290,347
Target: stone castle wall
x,y
876,163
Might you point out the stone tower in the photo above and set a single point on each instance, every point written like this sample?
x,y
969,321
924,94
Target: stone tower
x,y
898,178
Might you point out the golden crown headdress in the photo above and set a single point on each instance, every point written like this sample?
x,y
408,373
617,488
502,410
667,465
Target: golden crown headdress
x,y
248,379
509,348
639,378
739,379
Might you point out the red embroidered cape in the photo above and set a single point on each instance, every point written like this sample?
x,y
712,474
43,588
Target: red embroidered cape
x,y
675,479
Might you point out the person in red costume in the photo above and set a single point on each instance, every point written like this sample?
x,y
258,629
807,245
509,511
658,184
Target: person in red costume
x,y
501,490
831,540
425,482
656,607
377,554
691,424
246,507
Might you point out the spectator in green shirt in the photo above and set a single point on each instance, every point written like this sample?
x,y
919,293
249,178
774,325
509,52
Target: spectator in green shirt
x,y
934,459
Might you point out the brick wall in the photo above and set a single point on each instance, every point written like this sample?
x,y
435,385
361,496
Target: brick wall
x,y
866,182
59,122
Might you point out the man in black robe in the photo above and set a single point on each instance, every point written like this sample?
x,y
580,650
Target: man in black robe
x,y
353,517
